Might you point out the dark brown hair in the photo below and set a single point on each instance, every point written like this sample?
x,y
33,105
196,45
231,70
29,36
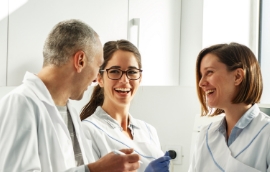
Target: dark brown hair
x,y
234,56
109,49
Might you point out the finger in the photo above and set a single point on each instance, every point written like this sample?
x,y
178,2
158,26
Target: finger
x,y
163,158
127,151
163,169
167,153
165,163
133,158
133,166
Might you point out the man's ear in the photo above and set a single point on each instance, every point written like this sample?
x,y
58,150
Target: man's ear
x,y
239,76
100,80
79,60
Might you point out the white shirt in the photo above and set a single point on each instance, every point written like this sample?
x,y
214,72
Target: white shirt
x,y
106,135
33,134
249,152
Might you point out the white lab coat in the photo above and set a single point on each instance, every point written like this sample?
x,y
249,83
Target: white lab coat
x,y
106,138
250,152
33,134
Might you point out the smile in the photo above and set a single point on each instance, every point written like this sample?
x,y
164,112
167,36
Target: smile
x,y
209,92
122,90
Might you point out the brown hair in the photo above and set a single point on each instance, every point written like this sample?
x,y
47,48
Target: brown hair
x,y
109,49
234,56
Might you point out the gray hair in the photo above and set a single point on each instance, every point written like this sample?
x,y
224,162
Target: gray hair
x,y
65,39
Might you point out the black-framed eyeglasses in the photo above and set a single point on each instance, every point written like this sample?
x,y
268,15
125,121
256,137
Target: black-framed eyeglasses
x,y
115,74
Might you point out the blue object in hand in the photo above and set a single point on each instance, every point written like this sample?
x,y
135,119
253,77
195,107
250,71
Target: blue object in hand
x,y
159,165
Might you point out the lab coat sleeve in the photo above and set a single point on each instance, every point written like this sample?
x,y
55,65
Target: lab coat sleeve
x,y
19,141
192,164
199,140
268,155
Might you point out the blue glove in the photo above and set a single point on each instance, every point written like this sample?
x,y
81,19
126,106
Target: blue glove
x,y
159,165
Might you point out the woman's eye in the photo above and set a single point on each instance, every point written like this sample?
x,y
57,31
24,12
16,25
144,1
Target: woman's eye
x,y
209,72
114,71
130,72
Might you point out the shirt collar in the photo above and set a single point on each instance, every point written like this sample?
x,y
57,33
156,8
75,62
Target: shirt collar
x,y
112,122
243,122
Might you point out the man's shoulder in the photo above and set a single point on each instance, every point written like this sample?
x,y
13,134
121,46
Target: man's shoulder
x,y
20,96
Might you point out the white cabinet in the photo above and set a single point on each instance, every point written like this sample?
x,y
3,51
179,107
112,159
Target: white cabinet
x,y
158,32
31,22
3,40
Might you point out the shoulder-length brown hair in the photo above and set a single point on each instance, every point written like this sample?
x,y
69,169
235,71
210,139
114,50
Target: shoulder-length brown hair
x,y
109,49
234,56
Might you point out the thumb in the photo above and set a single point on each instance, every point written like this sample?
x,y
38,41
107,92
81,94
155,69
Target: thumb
x,y
167,153
126,151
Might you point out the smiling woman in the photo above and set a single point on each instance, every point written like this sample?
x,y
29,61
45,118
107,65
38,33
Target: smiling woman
x,y
106,118
229,79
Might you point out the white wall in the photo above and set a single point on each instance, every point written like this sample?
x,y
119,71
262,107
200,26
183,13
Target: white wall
x,y
191,40
265,51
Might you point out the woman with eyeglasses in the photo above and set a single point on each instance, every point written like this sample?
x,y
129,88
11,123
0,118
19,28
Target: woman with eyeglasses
x,y
106,119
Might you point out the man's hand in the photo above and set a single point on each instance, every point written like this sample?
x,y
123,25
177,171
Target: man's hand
x,y
116,163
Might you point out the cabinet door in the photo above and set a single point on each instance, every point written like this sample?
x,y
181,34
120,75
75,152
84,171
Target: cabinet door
x,y
3,40
30,24
158,36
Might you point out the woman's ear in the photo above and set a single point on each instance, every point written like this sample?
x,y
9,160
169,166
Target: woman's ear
x,y
100,80
239,76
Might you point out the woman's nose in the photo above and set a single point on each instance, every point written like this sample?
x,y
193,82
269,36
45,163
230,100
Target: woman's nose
x,y
202,82
124,78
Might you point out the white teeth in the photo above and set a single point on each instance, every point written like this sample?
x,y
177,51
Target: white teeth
x,y
122,89
209,91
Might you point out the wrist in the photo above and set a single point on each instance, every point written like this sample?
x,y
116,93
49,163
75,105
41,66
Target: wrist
x,y
92,167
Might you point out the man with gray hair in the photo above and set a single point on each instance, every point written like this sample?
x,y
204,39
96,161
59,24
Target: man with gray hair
x,y
43,132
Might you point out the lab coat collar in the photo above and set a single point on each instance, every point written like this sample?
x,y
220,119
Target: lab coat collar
x,y
36,84
243,122
112,122
38,87
252,113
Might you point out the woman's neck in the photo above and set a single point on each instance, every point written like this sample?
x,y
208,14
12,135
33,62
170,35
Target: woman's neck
x,y
117,112
233,114
120,114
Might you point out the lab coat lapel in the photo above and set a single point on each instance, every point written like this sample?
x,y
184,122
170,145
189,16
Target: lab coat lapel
x,y
60,128
217,147
221,154
36,85
248,135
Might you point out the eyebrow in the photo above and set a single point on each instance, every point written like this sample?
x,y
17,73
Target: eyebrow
x,y
206,69
118,67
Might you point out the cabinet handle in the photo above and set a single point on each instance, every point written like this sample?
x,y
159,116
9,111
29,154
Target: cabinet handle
x,y
137,22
